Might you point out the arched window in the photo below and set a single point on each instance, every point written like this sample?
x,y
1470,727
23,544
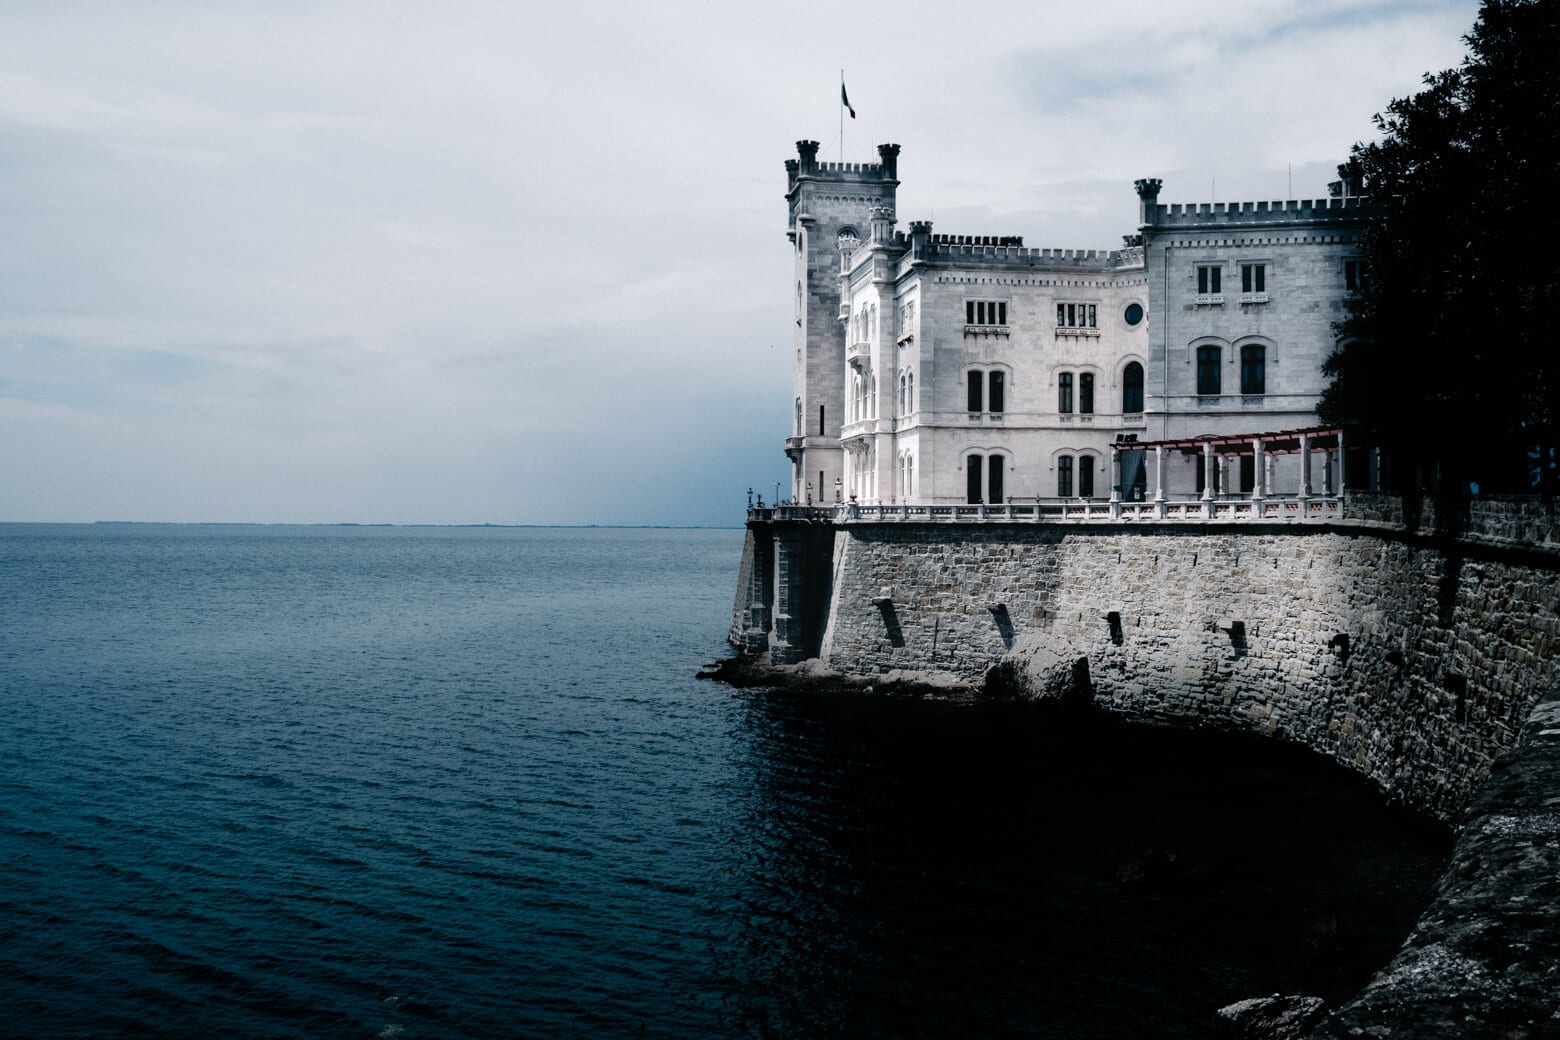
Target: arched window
x,y
872,399
799,430
976,395
1208,370
1064,474
1086,393
1085,476
903,408
910,392
909,475
995,395
990,489
1064,392
1132,389
1253,365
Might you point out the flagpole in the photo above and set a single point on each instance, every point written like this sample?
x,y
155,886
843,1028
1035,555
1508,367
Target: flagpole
x,y
842,115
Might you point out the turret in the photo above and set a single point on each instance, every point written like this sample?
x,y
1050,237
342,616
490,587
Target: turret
x,y
1148,198
920,239
888,156
808,151
882,222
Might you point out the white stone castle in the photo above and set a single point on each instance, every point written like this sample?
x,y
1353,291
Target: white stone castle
x,y
952,369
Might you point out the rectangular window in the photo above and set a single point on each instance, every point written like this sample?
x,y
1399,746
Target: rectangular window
x,y
1064,402
972,480
1086,393
1085,476
1209,280
1354,275
1064,477
1077,316
1253,278
994,396
994,479
975,395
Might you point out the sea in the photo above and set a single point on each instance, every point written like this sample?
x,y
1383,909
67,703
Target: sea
x,y
381,782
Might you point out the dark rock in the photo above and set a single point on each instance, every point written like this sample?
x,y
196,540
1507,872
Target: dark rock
x,y
1269,1018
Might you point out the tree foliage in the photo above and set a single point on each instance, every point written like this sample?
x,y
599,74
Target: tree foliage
x,y
1449,355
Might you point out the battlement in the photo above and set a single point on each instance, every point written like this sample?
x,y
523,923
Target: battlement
x,y
955,247
1199,214
807,166
978,240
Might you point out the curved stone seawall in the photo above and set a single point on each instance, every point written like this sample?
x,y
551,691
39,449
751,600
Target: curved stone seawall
x,y
1413,661
1416,660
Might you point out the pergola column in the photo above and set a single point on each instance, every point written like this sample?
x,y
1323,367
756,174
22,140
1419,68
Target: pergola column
x,y
1305,471
1115,481
1208,480
1343,465
1159,479
1258,470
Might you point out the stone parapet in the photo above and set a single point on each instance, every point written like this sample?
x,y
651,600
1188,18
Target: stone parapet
x,y
1181,216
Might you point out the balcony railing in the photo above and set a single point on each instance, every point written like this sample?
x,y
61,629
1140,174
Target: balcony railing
x,y
1072,511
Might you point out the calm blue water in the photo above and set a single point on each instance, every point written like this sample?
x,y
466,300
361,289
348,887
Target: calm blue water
x,y
388,782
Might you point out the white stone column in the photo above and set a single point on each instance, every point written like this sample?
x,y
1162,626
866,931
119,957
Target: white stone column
x,y
1115,481
1270,480
1258,470
1208,480
1343,464
1305,471
1224,474
1159,479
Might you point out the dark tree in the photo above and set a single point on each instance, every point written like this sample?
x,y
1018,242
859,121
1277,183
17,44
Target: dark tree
x,y
1451,359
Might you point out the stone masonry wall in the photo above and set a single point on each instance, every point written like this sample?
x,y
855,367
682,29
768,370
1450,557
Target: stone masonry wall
x,y
1412,661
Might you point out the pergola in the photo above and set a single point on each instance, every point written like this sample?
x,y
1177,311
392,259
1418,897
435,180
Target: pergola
x,y
1262,448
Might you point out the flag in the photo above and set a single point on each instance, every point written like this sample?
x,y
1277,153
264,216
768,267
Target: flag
x,y
845,100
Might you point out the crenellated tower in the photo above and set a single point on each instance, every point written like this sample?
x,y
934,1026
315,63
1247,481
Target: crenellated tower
x,y
830,211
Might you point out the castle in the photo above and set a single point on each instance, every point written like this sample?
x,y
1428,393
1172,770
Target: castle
x,y
940,369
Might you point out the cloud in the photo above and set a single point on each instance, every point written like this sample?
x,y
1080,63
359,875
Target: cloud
x,y
379,261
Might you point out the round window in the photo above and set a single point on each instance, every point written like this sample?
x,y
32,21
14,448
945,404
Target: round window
x,y
1134,313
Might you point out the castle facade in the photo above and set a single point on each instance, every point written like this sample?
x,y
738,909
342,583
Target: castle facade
x,y
940,369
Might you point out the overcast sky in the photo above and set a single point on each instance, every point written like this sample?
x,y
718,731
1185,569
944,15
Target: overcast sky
x,y
508,263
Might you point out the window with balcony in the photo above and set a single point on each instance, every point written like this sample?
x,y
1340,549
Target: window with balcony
x,y
1253,283
1077,316
1132,389
1210,283
1085,476
1208,360
985,312
1064,476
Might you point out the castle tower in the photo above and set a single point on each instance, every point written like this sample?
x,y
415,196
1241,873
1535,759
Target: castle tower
x,y
830,212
